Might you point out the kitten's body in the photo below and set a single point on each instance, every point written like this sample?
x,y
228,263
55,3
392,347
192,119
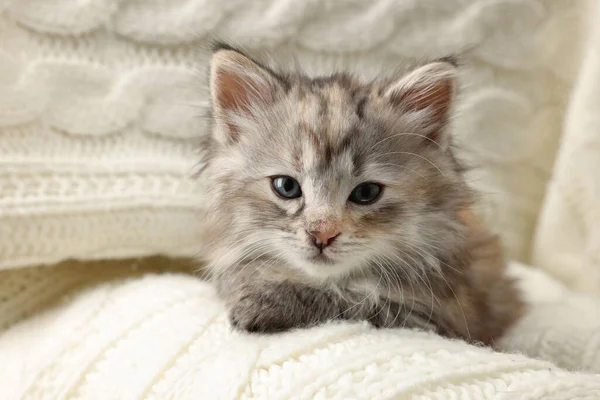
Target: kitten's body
x,y
415,256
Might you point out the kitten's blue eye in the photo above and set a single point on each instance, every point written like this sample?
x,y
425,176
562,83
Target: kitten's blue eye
x,y
286,187
365,193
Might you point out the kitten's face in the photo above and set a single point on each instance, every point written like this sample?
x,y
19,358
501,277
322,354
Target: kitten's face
x,y
330,176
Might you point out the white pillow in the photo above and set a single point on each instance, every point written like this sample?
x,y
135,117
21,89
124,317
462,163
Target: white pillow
x,y
100,106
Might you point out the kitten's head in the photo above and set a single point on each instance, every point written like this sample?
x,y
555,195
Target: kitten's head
x,y
331,175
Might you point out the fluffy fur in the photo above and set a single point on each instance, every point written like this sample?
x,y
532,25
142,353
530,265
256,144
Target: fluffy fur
x,y
416,257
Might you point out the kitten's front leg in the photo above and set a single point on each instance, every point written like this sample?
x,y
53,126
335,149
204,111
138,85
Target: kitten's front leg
x,y
267,306
391,314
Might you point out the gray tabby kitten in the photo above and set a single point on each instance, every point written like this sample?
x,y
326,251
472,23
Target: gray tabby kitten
x,y
335,198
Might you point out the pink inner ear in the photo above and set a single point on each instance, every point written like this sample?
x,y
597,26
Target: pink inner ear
x,y
233,92
436,96
229,98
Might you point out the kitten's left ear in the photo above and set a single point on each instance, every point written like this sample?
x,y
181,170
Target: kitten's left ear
x,y
428,89
239,88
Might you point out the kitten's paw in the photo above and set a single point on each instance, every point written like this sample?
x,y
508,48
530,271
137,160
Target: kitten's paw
x,y
261,313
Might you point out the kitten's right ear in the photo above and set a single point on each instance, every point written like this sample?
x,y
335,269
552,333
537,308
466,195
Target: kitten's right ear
x,y
239,87
429,88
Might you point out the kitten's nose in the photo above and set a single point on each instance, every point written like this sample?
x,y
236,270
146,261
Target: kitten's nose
x,y
324,238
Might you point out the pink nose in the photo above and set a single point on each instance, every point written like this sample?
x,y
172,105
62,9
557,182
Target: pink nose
x,y
324,238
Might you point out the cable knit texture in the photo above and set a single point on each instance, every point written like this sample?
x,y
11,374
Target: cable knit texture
x,y
100,105
100,112
117,333
567,241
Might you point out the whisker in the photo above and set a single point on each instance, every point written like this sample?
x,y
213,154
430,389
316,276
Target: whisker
x,y
402,134
416,155
399,166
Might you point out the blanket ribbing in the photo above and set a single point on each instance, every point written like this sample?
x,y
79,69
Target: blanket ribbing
x,y
128,336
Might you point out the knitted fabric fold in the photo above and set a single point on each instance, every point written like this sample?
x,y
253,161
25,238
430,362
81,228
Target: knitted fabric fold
x,y
121,333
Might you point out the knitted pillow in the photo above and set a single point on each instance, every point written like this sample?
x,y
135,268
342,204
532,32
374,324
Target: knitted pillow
x,y
100,105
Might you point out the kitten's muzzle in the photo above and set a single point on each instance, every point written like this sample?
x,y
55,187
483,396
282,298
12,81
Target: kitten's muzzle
x,y
322,239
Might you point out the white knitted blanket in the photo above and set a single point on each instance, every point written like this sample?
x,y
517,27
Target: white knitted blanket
x,y
166,337
98,124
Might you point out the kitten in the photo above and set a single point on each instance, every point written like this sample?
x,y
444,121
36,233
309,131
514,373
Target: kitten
x,y
336,198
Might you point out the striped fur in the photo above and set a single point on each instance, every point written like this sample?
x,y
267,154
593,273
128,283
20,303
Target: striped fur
x,y
417,257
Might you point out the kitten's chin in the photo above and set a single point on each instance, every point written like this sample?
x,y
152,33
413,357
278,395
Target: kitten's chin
x,y
325,269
